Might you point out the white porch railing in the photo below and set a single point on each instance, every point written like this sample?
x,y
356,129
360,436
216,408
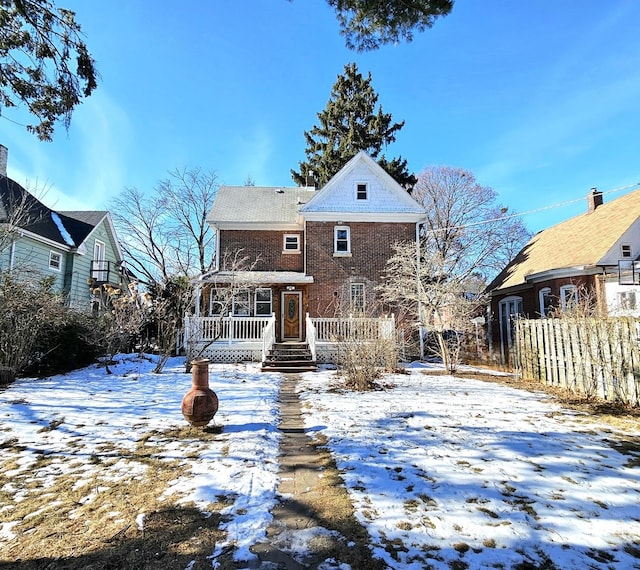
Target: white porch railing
x,y
225,329
230,338
268,337
362,328
311,336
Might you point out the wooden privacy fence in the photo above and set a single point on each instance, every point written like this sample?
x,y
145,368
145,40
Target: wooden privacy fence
x,y
599,357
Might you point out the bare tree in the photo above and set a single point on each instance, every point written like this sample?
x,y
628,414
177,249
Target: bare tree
x,y
165,233
225,286
465,238
19,209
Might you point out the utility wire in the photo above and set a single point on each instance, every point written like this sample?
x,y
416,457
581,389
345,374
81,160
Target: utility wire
x,y
528,212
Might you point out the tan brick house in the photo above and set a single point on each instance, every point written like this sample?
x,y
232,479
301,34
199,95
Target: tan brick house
x,y
314,254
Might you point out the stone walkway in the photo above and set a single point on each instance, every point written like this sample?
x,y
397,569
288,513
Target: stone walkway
x,y
314,516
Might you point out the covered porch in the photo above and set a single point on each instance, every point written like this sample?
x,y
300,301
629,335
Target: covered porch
x,y
238,338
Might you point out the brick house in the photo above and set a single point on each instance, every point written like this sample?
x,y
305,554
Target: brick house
x,y
315,256
594,254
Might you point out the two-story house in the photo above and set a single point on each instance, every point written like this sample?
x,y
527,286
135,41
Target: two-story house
x,y
78,250
312,256
593,256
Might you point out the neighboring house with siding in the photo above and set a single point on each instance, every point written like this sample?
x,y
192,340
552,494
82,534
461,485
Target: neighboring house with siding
x,y
317,253
79,250
595,254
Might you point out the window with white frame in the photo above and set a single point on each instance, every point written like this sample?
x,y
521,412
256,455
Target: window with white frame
x,y
546,301
291,243
568,296
625,250
627,300
357,296
342,240
55,260
241,306
361,191
263,303
217,306
509,310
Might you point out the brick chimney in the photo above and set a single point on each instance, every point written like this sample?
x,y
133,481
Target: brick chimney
x,y
594,199
4,151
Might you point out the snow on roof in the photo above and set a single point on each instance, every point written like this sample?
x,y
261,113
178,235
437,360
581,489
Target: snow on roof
x,y
66,236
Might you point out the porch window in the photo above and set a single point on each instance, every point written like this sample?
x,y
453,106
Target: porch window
x,y
291,243
546,301
568,296
357,296
263,303
341,240
241,306
361,191
216,308
55,261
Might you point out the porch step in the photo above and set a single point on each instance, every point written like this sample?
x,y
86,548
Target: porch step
x,y
289,357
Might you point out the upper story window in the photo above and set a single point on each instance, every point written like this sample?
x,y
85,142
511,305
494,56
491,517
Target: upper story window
x,y
546,301
357,296
291,243
263,303
55,261
568,296
342,240
361,191
625,250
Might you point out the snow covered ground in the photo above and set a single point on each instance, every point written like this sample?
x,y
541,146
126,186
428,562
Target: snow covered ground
x,y
443,472
91,411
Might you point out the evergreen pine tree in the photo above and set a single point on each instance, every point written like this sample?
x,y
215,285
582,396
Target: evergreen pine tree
x,y
351,123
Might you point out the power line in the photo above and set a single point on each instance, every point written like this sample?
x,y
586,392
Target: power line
x,y
529,212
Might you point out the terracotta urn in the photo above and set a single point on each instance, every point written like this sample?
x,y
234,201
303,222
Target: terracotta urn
x,y
199,404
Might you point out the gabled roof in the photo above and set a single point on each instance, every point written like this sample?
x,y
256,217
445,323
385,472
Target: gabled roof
x,y
67,229
336,195
578,243
236,206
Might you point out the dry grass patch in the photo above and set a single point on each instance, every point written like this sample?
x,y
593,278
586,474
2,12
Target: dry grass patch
x,y
111,517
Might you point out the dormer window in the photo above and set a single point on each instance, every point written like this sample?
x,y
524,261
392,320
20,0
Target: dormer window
x,y
361,191
626,250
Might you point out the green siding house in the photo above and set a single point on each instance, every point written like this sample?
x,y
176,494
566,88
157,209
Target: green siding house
x,y
79,250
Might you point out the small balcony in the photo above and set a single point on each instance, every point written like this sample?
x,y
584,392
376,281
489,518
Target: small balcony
x,y
105,272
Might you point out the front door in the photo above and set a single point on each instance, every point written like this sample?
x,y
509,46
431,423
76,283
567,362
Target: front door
x,y
291,315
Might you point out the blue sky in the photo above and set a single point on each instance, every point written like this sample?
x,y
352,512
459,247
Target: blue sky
x,y
539,99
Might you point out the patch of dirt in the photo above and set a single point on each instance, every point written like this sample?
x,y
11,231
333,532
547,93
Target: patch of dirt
x,y
107,520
